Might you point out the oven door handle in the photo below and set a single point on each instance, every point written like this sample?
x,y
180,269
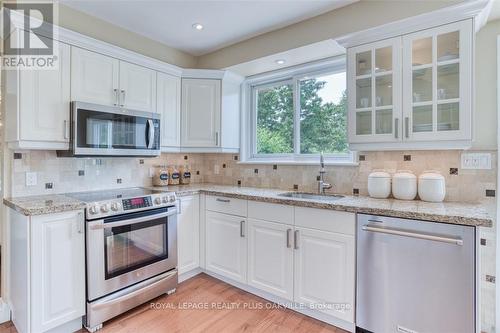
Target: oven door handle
x,y
101,225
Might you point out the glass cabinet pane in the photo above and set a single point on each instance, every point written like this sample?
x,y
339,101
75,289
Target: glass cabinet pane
x,y
422,85
422,118
448,46
363,122
422,51
383,59
448,81
363,93
448,117
383,90
364,63
383,121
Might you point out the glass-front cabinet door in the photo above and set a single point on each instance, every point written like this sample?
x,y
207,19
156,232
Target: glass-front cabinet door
x,y
437,81
374,86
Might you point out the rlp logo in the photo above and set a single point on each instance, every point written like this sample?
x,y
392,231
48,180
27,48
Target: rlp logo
x,y
28,38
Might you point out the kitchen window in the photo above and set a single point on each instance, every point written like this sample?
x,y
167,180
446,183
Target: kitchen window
x,y
295,114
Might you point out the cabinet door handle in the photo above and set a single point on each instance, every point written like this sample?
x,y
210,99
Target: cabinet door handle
x,y
222,200
117,97
123,97
216,138
242,228
396,128
288,238
296,240
407,127
80,223
66,130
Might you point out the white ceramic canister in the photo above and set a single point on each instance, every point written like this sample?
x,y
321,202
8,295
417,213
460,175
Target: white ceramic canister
x,y
379,184
431,186
404,185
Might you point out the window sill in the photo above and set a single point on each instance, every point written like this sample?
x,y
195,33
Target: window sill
x,y
260,161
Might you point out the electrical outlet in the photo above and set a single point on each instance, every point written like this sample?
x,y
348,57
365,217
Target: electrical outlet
x,y
476,161
31,179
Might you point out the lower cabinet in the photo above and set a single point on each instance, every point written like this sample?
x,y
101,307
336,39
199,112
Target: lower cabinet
x,y
324,271
51,292
270,257
188,233
226,245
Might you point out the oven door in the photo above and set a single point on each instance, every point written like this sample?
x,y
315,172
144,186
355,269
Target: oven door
x,y
105,130
126,249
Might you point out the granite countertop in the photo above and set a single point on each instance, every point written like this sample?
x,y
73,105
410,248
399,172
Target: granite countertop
x,y
43,204
473,214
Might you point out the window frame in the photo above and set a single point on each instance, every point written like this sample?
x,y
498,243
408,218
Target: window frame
x,y
292,75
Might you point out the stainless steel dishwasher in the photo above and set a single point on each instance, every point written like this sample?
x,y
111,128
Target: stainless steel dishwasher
x,y
414,276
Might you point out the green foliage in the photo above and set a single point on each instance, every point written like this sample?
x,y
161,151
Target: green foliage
x,y
323,126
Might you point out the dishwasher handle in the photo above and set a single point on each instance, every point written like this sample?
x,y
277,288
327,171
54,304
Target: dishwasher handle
x,y
398,232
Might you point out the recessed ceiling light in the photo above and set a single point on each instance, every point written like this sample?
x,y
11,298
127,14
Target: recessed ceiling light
x,y
198,26
280,61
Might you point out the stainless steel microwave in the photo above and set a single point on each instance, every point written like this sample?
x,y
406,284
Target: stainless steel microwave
x,y
100,130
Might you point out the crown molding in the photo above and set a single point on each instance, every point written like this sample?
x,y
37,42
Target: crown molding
x,y
469,9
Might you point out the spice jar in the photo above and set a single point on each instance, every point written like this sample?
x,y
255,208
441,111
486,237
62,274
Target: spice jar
x,y
161,176
174,175
185,174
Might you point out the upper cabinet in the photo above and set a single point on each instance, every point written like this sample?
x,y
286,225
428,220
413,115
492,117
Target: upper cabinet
x,y
100,79
168,104
210,111
37,105
201,105
413,91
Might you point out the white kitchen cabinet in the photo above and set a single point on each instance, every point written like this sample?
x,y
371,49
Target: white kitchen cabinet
x,y
49,293
375,92
226,245
201,106
270,257
137,87
188,233
94,77
324,271
168,104
437,97
99,79
413,91
38,105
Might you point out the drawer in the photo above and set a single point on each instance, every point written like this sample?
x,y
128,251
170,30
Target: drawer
x,y
226,205
327,220
270,212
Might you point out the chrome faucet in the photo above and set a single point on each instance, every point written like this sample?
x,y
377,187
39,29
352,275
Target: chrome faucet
x,y
321,182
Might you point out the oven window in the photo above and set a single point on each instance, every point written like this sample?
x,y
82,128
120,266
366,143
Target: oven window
x,y
130,247
109,130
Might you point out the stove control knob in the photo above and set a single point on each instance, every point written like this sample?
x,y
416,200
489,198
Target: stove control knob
x,y
115,206
172,198
165,199
93,210
105,208
158,200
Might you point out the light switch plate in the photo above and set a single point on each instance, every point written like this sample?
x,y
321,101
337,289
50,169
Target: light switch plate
x,y
31,179
476,161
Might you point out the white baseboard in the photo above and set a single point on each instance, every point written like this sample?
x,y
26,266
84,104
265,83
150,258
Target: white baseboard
x,y
187,275
4,311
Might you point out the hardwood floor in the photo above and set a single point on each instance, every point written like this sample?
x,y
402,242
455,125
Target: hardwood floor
x,y
176,313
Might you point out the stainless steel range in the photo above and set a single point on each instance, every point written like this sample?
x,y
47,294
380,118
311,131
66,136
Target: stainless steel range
x,y
131,239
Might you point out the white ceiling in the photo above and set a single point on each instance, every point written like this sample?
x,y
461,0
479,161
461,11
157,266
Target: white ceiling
x,y
225,22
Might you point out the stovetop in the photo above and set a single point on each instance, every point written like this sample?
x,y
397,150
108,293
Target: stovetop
x,y
95,196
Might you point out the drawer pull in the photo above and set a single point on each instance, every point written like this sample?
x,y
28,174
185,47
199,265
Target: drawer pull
x,y
222,200
242,228
288,238
296,240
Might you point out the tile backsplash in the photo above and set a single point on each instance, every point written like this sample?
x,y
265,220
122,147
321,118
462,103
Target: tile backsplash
x,y
85,174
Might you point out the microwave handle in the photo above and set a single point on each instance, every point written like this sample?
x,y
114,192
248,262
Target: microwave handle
x,y
150,133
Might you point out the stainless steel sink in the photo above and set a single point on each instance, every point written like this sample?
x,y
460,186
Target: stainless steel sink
x,y
311,196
